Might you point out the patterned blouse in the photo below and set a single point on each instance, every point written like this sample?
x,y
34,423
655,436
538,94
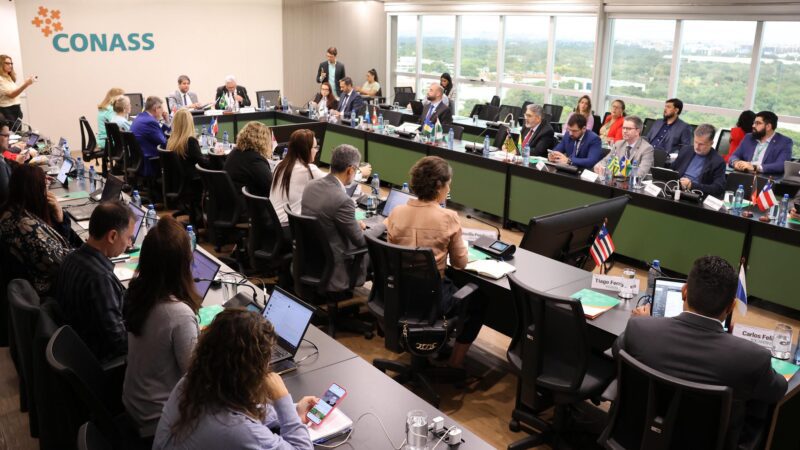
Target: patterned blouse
x,y
38,246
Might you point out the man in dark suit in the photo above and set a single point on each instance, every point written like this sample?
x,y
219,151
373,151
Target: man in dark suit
x,y
671,134
331,67
537,134
435,109
326,199
231,92
702,168
150,133
580,147
693,346
763,150
350,100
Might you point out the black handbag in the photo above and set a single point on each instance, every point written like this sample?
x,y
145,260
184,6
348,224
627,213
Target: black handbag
x,y
425,340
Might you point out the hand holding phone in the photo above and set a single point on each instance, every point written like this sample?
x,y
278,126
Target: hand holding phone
x,y
330,400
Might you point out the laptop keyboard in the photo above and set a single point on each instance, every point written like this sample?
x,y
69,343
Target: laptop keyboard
x,y
279,353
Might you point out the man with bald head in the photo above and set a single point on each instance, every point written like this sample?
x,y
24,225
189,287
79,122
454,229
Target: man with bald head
x,y
436,109
232,92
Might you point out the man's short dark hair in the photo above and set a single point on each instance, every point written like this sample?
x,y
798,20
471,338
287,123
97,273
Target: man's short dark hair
x,y
577,120
677,103
770,118
333,51
347,81
113,215
711,286
183,78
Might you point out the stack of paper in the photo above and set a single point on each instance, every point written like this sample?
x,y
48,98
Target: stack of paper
x,y
594,303
490,268
336,424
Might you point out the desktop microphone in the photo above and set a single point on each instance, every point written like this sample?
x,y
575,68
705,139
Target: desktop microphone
x,y
255,292
473,146
469,216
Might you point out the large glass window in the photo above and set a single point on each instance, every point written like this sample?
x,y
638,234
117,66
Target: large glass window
x,y
641,58
715,62
526,50
479,47
406,44
438,44
471,94
574,53
517,96
778,87
644,111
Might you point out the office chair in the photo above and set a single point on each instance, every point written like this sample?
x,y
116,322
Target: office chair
x,y
269,244
551,357
23,303
495,101
489,112
271,97
137,103
723,144
407,291
654,410
458,131
554,111
173,184
134,158
659,157
476,110
500,137
393,118
90,438
69,357
597,123
313,263
505,110
403,98
116,149
223,209
646,125
89,148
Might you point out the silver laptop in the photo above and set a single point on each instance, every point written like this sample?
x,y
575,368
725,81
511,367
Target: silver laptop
x,y
791,172
290,316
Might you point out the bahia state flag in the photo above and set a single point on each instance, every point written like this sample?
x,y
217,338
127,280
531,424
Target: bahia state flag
x,y
766,199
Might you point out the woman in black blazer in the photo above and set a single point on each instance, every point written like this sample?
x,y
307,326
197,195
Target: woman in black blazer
x,y
248,164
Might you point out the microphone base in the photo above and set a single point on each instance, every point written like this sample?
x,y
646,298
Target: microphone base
x,y
240,300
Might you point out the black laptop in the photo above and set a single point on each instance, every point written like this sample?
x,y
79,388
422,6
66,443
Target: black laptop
x,y
664,175
290,316
111,191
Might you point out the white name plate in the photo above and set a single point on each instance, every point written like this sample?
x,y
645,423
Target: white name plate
x,y
540,165
761,336
612,283
714,203
588,175
652,190
213,112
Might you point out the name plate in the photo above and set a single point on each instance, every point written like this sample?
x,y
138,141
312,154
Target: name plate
x,y
652,190
247,109
612,283
714,203
214,112
761,336
540,165
588,175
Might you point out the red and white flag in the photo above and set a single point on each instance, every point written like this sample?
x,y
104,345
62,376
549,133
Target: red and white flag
x,y
603,246
766,199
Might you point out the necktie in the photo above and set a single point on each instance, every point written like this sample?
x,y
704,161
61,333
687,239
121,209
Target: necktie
x,y
430,113
527,138
578,147
185,101
628,152
345,97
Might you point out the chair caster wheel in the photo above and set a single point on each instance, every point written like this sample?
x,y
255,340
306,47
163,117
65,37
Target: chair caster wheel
x,y
369,335
514,426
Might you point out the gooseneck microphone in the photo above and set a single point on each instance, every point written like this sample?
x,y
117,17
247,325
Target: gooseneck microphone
x,y
255,292
469,216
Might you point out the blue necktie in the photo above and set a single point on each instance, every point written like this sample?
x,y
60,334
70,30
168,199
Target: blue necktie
x,y
430,112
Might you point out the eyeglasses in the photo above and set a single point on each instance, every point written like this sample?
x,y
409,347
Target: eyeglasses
x,y
5,134
628,128
8,62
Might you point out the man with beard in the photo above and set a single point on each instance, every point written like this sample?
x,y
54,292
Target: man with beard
x,y
671,134
763,150
436,109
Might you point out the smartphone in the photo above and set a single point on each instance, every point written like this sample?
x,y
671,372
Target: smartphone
x,y
326,404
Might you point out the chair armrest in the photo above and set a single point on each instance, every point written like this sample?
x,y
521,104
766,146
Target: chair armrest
x,y
465,291
610,394
356,252
115,363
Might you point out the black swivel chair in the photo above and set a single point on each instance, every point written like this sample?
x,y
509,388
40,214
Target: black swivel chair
x,y
269,244
116,148
476,110
551,356
597,123
173,183
653,410
90,437
495,101
134,158
403,98
554,111
723,145
137,103
89,148
648,123
489,112
500,137
734,179
394,118
23,303
223,209
659,157
458,131
514,111
406,291
313,263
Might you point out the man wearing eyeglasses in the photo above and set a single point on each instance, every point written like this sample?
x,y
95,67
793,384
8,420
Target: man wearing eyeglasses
x,y
632,147
763,150
14,152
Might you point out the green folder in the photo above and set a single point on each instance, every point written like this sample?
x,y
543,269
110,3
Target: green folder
x,y
784,368
473,254
74,195
207,314
361,215
745,204
589,297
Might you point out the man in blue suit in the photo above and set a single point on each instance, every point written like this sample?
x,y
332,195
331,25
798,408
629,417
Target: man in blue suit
x,y
702,168
580,147
349,100
671,134
150,133
763,150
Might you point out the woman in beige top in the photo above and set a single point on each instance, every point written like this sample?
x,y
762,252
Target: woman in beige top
x,y
371,87
9,91
424,223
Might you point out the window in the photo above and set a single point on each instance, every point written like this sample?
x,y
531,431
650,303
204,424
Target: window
x,y
438,44
778,86
644,111
719,121
526,50
715,62
516,97
406,44
479,47
471,94
567,101
641,58
574,54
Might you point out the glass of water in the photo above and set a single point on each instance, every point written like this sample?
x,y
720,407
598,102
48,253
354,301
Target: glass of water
x,y
396,106
628,275
782,341
229,286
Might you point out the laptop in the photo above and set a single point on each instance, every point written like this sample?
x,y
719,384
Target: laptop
x,y
667,298
137,228
791,172
290,316
395,199
111,191
664,175
204,268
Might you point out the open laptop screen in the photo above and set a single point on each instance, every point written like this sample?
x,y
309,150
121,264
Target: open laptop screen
x,y
66,168
667,297
203,267
289,316
395,198
139,214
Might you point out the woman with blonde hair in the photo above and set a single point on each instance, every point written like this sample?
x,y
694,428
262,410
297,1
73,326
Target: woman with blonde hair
x,y
183,142
105,113
9,91
248,163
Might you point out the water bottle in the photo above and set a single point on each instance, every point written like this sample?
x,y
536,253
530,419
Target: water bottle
x,y
204,138
371,205
192,236
225,140
451,136
380,124
526,155
405,188
366,119
136,199
486,150
797,356
376,184
79,170
284,104
634,176
92,179
738,199
652,274
150,218
783,211
353,119
262,104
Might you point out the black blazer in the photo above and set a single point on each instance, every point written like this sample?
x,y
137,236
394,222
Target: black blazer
x,y
442,112
250,169
332,105
712,178
543,139
323,67
696,348
240,90
346,105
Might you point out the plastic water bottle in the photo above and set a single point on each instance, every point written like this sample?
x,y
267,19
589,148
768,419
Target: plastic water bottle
x,y
738,199
486,144
526,155
192,236
262,104
376,184
353,119
225,139
284,104
92,178
367,119
79,170
634,176
797,356
652,274
136,199
150,218
783,211
405,188
451,136
381,127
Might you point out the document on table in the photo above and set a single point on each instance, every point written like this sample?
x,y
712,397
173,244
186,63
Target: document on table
x,y
594,303
490,268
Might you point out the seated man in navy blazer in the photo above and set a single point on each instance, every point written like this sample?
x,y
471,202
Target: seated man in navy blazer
x,y
436,109
693,346
232,92
350,100
150,133
580,147
671,134
763,150
702,168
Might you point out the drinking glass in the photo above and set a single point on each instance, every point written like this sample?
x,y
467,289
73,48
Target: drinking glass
x,y
627,290
417,430
782,341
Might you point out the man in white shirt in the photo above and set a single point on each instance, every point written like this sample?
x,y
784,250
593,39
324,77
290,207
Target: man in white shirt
x,y
183,97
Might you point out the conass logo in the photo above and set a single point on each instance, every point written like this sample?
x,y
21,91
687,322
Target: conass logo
x,y
48,21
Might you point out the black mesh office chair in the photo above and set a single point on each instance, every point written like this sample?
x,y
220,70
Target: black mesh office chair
x,y
597,123
458,131
116,149
313,263
223,209
551,356
89,148
134,158
554,111
723,145
476,110
647,124
495,101
23,303
659,157
137,103
403,98
653,410
406,292
489,112
269,244
90,437
506,110
173,183
734,179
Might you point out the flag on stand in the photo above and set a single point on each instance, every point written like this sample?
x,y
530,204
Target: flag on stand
x,y
603,246
223,104
766,199
438,131
613,165
214,126
624,167
427,127
375,116
741,291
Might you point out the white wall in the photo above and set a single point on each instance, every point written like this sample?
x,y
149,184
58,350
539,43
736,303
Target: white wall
x,y
204,39
9,41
